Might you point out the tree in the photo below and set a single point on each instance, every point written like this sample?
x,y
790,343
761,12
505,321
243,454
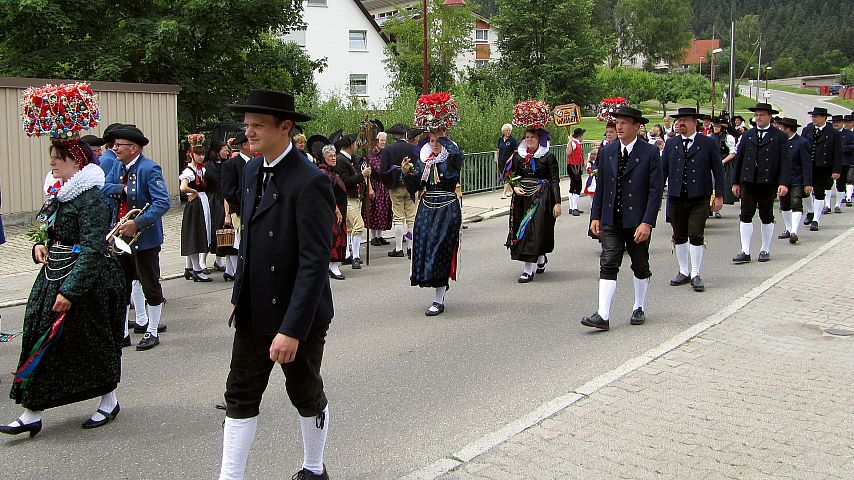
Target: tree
x,y
448,36
784,67
637,86
831,61
657,29
161,41
550,49
666,89
848,75
695,87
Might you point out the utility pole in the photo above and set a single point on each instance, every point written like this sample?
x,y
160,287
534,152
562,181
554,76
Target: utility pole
x,y
759,68
732,92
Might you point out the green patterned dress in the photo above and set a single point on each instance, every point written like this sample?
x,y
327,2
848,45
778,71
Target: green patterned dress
x,y
85,361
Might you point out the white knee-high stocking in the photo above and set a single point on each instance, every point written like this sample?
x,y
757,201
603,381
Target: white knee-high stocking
x,y
818,206
683,257
767,235
787,219
746,232
696,252
237,437
398,237
606,294
641,285
796,222
137,296
314,430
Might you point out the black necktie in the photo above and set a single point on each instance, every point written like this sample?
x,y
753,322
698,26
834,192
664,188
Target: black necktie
x,y
268,172
685,142
621,169
760,134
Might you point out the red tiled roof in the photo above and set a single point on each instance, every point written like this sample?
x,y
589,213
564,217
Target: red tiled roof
x,y
700,48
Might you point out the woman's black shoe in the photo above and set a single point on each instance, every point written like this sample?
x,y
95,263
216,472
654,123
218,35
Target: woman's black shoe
x,y
197,277
107,417
541,267
188,274
526,277
336,276
376,242
34,428
219,268
435,309
386,242
227,277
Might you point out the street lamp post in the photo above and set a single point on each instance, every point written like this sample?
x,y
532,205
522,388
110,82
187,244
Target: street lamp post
x,y
766,79
717,50
701,64
445,3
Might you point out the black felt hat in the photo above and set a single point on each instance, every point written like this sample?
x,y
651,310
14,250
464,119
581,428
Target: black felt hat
x,y
271,103
92,140
633,113
413,133
837,118
789,122
739,117
336,135
686,112
239,139
110,128
578,131
819,111
848,118
398,129
378,124
315,144
130,133
764,107
345,141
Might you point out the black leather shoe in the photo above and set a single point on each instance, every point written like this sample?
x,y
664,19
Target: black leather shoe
x,y
638,317
188,274
541,267
148,342
526,277
395,253
575,212
347,261
435,309
357,263
383,241
336,277
376,242
793,238
409,253
107,417
808,218
837,210
596,321
783,235
679,280
306,474
764,256
825,210
33,428
144,328
228,278
741,258
849,203
813,226
126,342
197,277
697,284
718,215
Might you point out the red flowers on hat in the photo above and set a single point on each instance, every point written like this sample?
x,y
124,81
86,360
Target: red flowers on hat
x,y
532,114
610,105
436,110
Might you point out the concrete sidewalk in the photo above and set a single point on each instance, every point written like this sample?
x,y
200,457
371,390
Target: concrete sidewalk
x,y
17,270
762,389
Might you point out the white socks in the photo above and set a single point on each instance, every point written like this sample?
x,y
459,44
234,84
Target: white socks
x,y
237,437
154,318
398,237
440,295
839,198
767,235
641,284
529,268
606,293
198,265
828,198
108,403
335,267
203,259
28,417
541,260
849,191
787,219
349,252
818,206
746,232
356,246
808,203
231,265
796,222
696,252
127,317
137,296
682,256
314,430
573,201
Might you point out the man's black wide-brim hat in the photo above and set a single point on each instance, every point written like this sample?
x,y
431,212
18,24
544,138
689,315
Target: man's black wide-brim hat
x,y
271,103
633,113
315,144
130,133
764,106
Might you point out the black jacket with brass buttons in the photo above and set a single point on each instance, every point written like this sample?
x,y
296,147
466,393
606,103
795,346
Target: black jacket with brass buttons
x,y
765,162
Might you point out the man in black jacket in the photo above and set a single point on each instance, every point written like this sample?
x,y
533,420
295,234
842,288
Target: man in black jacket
x,y
761,173
402,206
232,176
691,162
354,177
847,146
282,303
825,146
800,180
848,156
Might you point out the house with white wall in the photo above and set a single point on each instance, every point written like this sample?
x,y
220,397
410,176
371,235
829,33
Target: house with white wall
x,y
346,34
483,36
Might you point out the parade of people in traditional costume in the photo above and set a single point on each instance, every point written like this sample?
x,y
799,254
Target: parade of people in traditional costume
x,y
71,343
433,178
196,221
322,149
533,173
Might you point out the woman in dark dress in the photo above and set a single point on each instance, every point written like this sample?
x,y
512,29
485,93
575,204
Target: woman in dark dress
x,y
217,153
327,154
535,204
380,218
73,323
506,146
195,224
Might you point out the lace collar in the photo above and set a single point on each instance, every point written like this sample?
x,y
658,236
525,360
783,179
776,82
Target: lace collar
x,y
90,176
522,150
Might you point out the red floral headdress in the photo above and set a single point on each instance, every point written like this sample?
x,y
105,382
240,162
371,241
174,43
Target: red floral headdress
x,y
196,139
608,106
436,110
61,112
532,114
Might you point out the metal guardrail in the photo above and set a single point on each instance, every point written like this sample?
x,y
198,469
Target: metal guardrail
x,y
480,170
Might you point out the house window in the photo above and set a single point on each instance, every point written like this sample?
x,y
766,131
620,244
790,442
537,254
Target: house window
x,y
297,36
480,63
481,36
358,40
316,3
358,84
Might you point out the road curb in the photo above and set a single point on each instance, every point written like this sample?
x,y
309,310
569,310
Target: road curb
x,y
551,408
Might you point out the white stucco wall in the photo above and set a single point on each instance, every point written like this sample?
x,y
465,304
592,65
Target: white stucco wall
x,y
327,35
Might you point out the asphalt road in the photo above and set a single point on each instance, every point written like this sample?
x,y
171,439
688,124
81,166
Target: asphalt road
x,y
795,105
404,389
